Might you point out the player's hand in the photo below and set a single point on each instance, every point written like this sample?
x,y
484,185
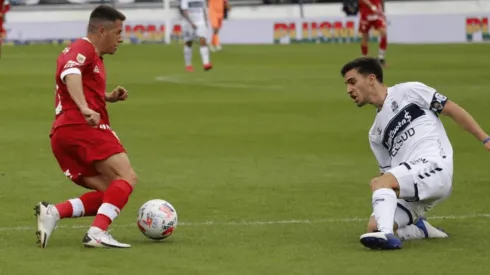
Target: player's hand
x,y
487,145
118,94
91,116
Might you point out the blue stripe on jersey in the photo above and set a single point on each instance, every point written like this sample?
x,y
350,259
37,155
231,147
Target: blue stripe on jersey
x,y
196,4
399,123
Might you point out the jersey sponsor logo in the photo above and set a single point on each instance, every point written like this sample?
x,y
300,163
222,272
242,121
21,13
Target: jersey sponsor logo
x,y
419,160
399,123
71,64
400,140
438,102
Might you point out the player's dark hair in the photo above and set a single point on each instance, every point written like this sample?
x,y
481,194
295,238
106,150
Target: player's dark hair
x,y
104,14
365,66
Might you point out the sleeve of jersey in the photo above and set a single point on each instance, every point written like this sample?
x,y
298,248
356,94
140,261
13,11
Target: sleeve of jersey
x,y
382,156
75,61
427,97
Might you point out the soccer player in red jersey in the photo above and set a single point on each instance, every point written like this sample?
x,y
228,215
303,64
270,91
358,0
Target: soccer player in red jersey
x,y
372,16
4,8
87,150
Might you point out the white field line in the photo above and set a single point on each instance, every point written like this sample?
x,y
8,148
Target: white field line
x,y
256,223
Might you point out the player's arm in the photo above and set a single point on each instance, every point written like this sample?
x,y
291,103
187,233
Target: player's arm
x,y
73,81
74,62
465,120
428,98
184,8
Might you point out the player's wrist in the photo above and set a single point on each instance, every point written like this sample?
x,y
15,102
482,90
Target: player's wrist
x,y
486,140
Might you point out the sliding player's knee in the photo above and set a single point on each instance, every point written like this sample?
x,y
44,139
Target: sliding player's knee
x,y
385,181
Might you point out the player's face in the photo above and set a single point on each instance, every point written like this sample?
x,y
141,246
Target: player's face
x,y
113,36
358,87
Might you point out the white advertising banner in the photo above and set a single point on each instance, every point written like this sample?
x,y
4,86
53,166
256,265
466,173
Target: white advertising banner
x,y
405,29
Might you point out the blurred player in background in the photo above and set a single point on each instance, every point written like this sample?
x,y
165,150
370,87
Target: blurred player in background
x,y
217,12
87,150
4,8
195,26
372,16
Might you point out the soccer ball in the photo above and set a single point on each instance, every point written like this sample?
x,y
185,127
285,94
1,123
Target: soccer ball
x,y
157,219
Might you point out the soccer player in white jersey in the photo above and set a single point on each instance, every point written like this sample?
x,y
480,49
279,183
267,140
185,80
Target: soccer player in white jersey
x,y
413,151
195,26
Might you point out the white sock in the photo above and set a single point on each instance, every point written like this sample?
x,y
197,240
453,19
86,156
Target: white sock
x,y
204,55
188,55
78,208
384,206
381,54
410,232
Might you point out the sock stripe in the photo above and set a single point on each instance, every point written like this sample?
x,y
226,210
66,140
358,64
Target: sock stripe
x,y
109,210
410,217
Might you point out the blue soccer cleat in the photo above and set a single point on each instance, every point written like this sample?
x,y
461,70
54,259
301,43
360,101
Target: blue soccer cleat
x,y
430,231
381,241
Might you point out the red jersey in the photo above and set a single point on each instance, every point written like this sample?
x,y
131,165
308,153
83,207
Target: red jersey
x,y
80,58
366,10
5,7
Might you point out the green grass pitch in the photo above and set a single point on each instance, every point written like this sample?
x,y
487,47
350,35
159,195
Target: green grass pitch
x,y
265,158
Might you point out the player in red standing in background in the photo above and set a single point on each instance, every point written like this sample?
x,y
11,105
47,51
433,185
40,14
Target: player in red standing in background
x,y
4,8
87,150
372,16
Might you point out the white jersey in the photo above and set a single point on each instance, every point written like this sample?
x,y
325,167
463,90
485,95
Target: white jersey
x,y
408,129
196,9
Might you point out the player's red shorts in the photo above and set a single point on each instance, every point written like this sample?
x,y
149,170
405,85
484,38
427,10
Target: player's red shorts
x,y
366,25
77,147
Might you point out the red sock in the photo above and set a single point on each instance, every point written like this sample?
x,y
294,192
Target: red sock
x,y
383,44
364,50
86,205
115,198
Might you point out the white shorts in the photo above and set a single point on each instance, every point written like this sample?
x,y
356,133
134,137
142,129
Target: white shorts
x,y
423,184
190,34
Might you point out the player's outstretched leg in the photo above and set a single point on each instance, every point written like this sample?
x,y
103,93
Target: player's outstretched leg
x,y
204,50
422,229
188,56
384,203
86,205
117,168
